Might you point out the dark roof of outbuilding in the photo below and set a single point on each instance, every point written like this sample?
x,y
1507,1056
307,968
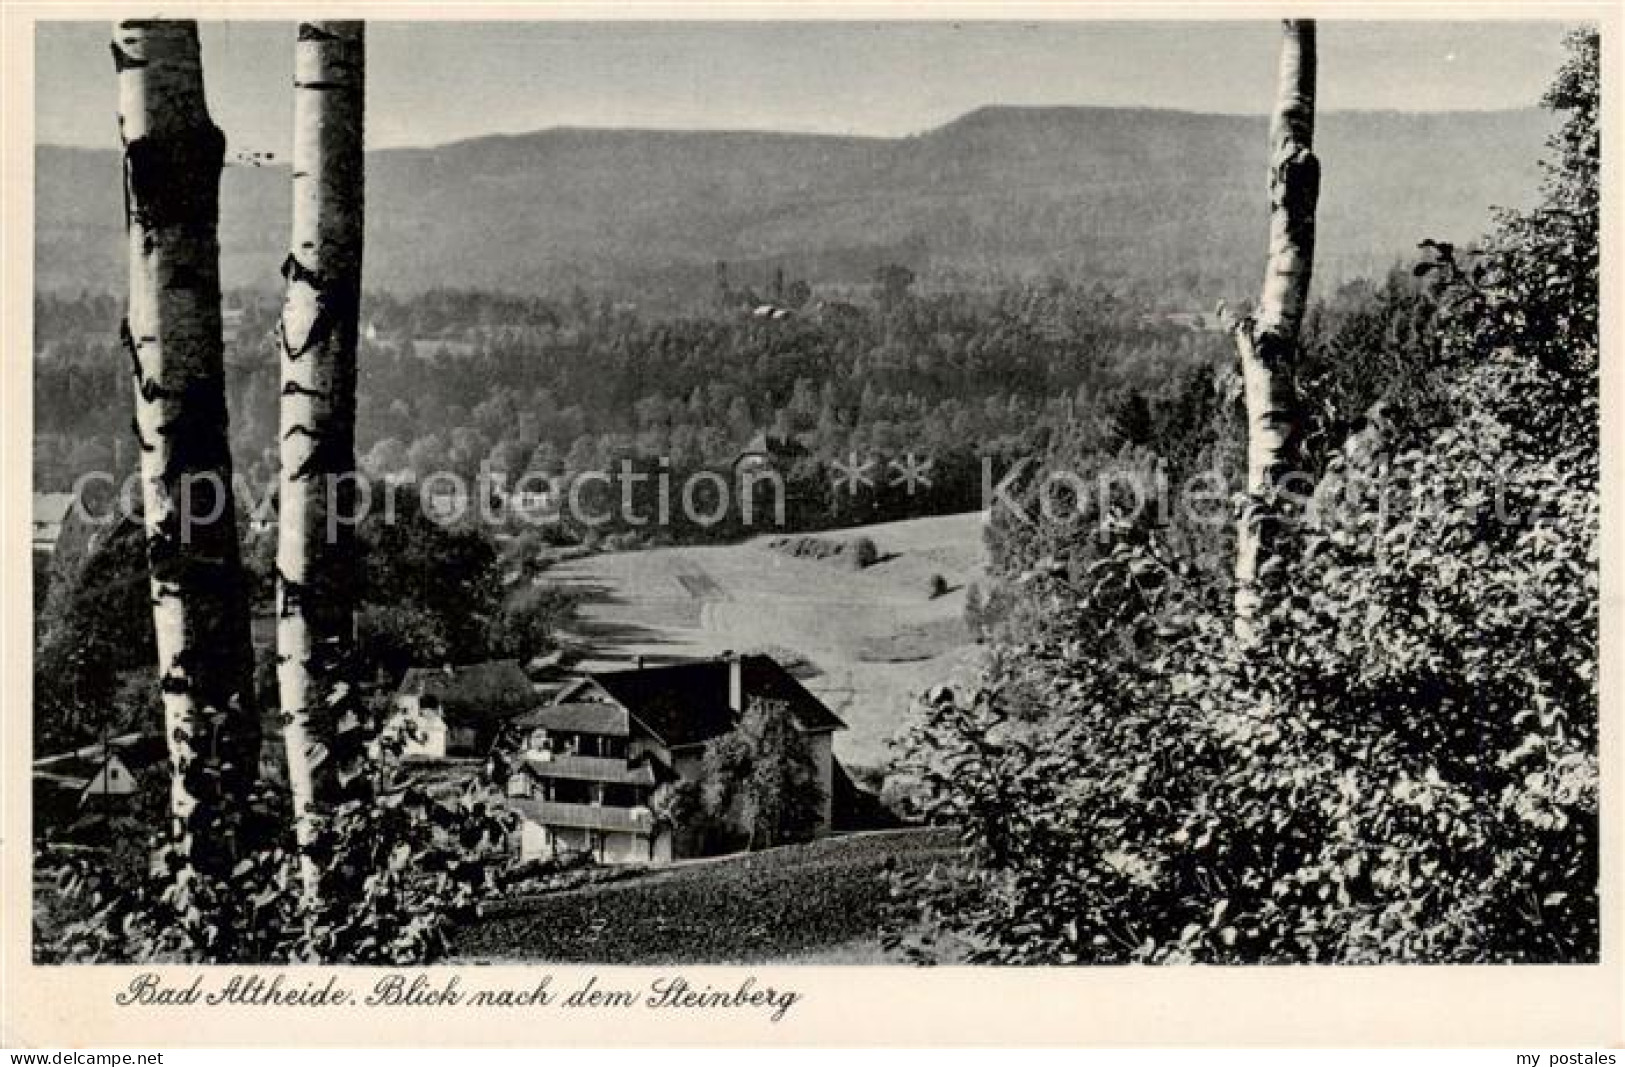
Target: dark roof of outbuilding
x,y
136,751
476,692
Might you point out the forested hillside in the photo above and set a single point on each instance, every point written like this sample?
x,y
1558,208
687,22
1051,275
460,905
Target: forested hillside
x,y
1159,205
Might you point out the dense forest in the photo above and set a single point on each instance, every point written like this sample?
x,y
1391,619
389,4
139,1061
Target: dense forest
x,y
457,379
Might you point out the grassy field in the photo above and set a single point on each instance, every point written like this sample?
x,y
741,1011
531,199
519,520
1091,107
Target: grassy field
x,y
818,903
876,637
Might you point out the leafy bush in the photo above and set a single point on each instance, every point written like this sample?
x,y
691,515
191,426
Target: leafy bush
x,y
758,787
96,624
855,552
1403,766
860,552
398,869
528,622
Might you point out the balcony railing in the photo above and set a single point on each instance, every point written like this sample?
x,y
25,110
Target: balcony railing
x,y
586,816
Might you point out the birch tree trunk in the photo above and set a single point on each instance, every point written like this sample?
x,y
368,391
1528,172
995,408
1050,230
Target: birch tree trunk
x,y
315,537
1267,343
172,159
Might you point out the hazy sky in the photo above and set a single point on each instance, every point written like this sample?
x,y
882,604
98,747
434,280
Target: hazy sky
x,y
437,82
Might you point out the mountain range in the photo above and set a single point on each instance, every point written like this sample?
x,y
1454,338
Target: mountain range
x,y
1167,203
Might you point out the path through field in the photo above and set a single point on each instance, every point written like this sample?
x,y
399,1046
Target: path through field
x,y
873,637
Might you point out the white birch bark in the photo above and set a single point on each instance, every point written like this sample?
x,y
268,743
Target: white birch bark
x,y
1267,343
172,159
315,539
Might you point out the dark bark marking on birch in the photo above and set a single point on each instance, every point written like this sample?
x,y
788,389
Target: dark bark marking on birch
x,y
295,271
127,342
160,191
293,595
123,61
327,456
334,306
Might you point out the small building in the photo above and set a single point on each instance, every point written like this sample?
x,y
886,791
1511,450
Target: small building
x,y
446,504
96,779
767,450
66,532
587,773
572,778
459,711
532,497
59,523
674,710
535,504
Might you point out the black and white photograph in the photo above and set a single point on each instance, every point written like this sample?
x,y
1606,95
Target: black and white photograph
x,y
867,492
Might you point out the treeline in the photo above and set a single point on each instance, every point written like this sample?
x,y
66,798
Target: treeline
x,y
426,593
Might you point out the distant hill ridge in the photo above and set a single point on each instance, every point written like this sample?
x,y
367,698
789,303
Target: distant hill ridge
x,y
1159,199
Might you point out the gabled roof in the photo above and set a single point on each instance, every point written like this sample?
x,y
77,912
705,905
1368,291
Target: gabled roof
x,y
765,444
474,693
51,512
764,677
609,720
681,704
137,752
687,704
52,507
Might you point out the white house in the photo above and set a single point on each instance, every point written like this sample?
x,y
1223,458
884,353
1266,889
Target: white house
x,y
458,711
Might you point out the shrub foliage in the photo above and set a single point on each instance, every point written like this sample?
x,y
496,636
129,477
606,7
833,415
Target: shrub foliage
x,y
1404,766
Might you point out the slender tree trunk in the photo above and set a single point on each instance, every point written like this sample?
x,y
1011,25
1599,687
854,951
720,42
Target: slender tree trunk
x,y
316,494
1267,343
172,159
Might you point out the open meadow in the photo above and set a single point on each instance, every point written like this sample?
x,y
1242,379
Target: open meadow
x,y
872,638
